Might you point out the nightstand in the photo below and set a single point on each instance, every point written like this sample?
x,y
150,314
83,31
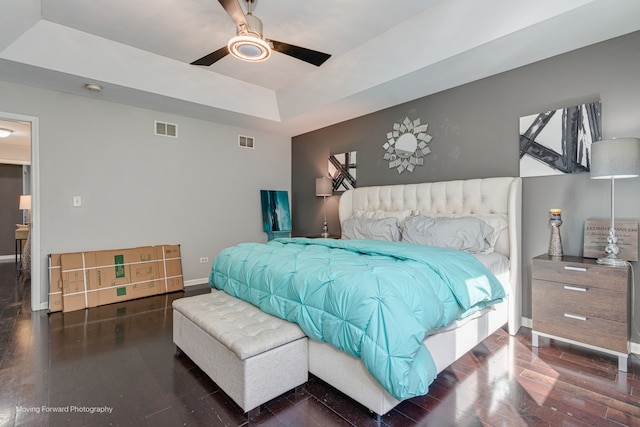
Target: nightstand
x,y
579,301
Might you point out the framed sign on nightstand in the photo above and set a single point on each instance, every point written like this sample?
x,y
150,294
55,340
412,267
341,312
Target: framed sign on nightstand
x,y
596,232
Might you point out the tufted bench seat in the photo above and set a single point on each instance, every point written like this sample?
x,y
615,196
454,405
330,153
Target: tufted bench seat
x,y
252,356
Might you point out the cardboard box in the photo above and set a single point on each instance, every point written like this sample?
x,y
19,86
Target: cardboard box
x,y
169,255
92,279
55,283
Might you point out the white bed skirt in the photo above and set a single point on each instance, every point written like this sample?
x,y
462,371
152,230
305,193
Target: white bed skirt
x,y
348,374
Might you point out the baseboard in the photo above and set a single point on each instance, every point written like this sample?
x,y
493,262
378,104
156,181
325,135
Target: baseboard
x,y
194,282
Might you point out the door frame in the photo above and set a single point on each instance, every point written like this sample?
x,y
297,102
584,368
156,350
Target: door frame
x,y
36,259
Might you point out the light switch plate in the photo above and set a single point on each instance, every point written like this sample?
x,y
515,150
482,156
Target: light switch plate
x,y
77,201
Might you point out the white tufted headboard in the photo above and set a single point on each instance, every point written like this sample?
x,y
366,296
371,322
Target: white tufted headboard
x,y
467,197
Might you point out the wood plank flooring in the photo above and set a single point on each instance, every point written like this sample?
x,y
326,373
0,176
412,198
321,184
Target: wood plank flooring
x,y
121,359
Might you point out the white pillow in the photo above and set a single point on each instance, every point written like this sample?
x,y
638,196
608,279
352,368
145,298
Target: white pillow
x,y
400,215
466,233
371,228
499,223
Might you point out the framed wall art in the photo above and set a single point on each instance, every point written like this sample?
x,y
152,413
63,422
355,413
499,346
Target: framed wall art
x,y
559,141
342,170
276,216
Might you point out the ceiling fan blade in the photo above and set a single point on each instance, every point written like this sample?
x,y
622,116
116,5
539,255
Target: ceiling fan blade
x,y
307,55
235,12
212,57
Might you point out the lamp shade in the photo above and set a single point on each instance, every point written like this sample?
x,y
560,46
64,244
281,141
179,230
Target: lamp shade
x,y
615,158
25,202
324,186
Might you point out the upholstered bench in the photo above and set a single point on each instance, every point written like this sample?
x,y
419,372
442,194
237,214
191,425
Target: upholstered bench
x,y
252,356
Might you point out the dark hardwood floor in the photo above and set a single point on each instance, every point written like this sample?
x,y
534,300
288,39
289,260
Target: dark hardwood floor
x,y
120,359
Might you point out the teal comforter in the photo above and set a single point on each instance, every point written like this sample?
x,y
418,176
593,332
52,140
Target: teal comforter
x,y
375,300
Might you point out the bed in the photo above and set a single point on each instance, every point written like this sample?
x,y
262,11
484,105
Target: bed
x,y
491,201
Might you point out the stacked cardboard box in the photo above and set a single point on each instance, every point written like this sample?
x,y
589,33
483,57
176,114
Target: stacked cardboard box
x,y
90,279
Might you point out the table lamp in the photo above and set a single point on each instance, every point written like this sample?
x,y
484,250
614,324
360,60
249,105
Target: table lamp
x,y
324,188
25,205
614,159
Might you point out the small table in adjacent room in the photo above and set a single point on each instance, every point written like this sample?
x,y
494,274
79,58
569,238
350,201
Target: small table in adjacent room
x,y
22,233
579,301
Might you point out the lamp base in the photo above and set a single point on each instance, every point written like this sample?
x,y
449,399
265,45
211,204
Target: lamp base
x,y
612,261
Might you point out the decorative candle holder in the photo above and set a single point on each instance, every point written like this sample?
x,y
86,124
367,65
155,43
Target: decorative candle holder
x,y
555,242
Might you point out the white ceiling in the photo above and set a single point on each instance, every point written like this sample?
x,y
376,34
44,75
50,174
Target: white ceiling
x,y
383,52
16,148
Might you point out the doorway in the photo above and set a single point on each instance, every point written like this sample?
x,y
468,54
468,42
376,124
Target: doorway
x,y
29,125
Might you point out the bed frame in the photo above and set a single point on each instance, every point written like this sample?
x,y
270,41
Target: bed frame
x,y
465,197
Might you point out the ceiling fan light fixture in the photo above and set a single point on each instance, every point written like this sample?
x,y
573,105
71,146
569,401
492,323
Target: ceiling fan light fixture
x,y
249,48
4,132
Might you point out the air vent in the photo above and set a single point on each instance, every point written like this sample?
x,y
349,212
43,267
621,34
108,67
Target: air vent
x,y
245,141
166,129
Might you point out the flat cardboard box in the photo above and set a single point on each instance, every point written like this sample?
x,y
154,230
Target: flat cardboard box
x,y
92,279
55,283
169,255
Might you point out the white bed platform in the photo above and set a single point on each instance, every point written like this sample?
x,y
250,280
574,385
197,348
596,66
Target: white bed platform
x,y
486,196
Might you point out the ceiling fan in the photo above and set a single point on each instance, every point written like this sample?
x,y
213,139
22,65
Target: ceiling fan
x,y
250,45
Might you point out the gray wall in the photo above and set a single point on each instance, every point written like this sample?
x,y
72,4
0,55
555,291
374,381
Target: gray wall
x,y
475,130
10,215
200,190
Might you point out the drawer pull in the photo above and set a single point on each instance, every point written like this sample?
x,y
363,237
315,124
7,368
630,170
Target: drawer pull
x,y
575,288
572,268
573,316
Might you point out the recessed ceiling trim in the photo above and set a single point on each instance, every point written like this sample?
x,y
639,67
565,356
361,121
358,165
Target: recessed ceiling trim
x,y
47,45
505,35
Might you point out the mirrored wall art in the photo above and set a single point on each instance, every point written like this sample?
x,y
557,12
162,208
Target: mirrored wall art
x,y
406,145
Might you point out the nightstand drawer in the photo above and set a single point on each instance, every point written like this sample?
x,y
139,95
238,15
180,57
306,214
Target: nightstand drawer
x,y
586,329
581,299
586,273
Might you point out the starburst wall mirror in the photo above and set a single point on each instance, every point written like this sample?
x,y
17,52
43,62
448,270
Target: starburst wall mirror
x,y
406,145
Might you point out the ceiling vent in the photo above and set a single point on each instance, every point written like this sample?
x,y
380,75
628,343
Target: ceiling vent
x,y
245,141
166,129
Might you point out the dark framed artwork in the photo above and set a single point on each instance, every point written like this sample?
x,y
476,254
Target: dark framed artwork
x,y
342,169
559,141
276,216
